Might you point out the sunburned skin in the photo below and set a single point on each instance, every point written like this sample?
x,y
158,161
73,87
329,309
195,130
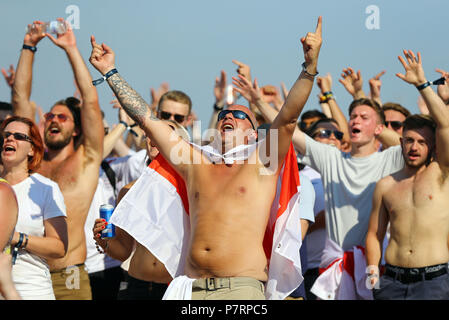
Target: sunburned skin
x,y
223,199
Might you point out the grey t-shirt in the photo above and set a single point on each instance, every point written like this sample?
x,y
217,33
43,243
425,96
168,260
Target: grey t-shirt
x,y
349,184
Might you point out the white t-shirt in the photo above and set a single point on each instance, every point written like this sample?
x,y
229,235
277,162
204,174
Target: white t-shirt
x,y
349,184
126,169
315,239
39,199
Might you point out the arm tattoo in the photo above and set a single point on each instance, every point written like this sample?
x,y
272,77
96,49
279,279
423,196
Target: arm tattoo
x,y
134,105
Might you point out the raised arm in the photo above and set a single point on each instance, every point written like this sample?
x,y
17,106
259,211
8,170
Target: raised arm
x,y
352,82
21,89
414,74
374,85
91,120
103,59
325,85
285,121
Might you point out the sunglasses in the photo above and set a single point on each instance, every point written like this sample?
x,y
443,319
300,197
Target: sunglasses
x,y
237,114
50,116
396,125
326,133
17,136
167,115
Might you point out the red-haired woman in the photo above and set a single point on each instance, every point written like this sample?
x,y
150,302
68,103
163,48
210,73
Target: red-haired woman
x,y
41,230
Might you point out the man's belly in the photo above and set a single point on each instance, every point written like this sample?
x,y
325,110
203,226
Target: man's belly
x,y
145,266
229,258
423,254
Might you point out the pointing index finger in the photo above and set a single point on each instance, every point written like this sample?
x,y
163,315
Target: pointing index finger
x,y
319,26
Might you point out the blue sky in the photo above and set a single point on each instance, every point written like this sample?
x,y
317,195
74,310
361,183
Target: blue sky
x,y
187,43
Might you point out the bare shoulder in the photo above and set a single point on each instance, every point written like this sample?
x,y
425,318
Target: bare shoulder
x,y
386,183
124,190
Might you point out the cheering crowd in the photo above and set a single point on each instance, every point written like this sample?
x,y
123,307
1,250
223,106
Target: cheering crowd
x,y
269,203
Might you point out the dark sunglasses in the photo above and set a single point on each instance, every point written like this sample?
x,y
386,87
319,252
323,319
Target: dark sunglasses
x,y
166,115
396,125
17,136
50,116
237,114
326,133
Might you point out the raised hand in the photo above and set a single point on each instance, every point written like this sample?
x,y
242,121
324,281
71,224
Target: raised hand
x,y
9,75
243,69
66,40
102,57
324,83
285,91
220,88
35,35
443,89
375,83
352,82
414,72
250,92
311,45
157,94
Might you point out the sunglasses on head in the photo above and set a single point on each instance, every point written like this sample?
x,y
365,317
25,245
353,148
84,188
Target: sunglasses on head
x,y
17,136
167,115
396,125
50,116
237,114
326,133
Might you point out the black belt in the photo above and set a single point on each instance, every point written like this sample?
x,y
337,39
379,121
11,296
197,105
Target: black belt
x,y
410,275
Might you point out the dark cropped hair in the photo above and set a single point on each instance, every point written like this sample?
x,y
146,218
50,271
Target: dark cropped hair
x,y
317,123
370,103
313,114
418,121
37,143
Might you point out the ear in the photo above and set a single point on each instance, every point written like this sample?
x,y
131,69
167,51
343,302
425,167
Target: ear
x,y
378,130
76,132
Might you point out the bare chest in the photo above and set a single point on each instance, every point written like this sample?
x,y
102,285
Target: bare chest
x,y
424,193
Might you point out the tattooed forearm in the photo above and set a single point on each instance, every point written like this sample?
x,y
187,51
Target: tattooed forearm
x,y
134,105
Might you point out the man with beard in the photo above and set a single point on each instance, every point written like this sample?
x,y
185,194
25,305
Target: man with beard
x,y
73,134
414,201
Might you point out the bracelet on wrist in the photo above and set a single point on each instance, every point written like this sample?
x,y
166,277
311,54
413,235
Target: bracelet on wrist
x,y
304,69
326,96
100,250
217,108
105,77
129,127
25,243
424,85
31,48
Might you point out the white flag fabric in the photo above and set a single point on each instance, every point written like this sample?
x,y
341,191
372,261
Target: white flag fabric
x,y
155,212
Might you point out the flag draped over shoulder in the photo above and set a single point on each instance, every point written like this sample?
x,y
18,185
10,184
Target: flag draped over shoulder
x,y
155,211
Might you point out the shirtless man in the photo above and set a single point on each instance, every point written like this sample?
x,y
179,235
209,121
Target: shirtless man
x,y
73,135
414,201
229,204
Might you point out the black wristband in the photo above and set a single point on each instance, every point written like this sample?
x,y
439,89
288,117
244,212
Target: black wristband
x,y
105,77
424,85
31,48
304,68
217,108
25,243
